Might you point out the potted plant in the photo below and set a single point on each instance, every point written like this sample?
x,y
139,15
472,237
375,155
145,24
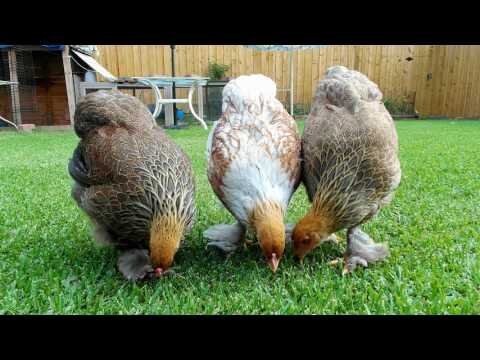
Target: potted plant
x,y
216,73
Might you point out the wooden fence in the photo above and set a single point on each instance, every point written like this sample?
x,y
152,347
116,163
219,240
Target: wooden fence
x,y
435,80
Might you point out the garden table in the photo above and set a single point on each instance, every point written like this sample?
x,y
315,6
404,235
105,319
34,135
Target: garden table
x,y
155,83
167,82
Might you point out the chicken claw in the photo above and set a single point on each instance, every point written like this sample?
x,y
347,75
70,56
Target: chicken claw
x,y
362,250
335,261
333,238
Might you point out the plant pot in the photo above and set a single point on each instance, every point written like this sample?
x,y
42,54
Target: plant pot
x,y
213,98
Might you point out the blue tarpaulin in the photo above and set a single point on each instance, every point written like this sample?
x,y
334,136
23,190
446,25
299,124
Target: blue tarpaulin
x,y
50,47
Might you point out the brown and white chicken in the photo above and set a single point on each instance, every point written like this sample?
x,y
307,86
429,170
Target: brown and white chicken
x,y
253,165
136,185
351,165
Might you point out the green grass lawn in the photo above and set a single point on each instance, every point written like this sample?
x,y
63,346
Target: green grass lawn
x,y
50,264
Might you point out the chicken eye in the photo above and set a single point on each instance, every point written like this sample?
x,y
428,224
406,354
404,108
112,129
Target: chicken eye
x,y
305,241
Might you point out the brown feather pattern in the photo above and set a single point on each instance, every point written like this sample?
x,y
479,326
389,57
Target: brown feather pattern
x,y
350,149
136,173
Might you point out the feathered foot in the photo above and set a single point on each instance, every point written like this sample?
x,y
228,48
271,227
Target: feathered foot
x,y
101,234
361,250
228,238
135,265
332,238
288,233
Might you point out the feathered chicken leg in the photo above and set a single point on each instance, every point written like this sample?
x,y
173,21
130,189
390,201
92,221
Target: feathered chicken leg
x,y
288,233
361,250
226,237
135,264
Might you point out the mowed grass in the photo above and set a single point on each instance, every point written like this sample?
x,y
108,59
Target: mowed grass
x,y
49,262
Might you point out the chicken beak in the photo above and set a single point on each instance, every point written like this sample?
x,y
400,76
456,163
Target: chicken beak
x,y
273,262
159,272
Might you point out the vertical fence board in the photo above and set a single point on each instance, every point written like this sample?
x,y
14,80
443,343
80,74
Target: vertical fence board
x,y
453,90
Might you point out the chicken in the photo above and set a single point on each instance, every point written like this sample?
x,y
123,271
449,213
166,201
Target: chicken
x,y
351,166
254,166
135,184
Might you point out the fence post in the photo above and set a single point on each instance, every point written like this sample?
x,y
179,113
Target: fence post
x,y
14,88
67,68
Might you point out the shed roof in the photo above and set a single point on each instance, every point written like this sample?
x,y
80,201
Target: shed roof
x,y
50,47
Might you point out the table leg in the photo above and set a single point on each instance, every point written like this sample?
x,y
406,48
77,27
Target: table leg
x,y
200,101
9,122
168,93
206,101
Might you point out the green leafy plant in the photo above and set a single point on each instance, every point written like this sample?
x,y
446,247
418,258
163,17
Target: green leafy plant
x,y
399,106
301,109
217,71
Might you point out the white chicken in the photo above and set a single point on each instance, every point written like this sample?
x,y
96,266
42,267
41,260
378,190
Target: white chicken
x,y
254,165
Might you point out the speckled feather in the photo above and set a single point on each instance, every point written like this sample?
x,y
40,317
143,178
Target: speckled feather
x,y
350,149
254,130
133,171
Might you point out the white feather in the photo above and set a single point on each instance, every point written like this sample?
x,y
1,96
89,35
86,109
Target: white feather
x,y
248,89
255,173
209,140
254,177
